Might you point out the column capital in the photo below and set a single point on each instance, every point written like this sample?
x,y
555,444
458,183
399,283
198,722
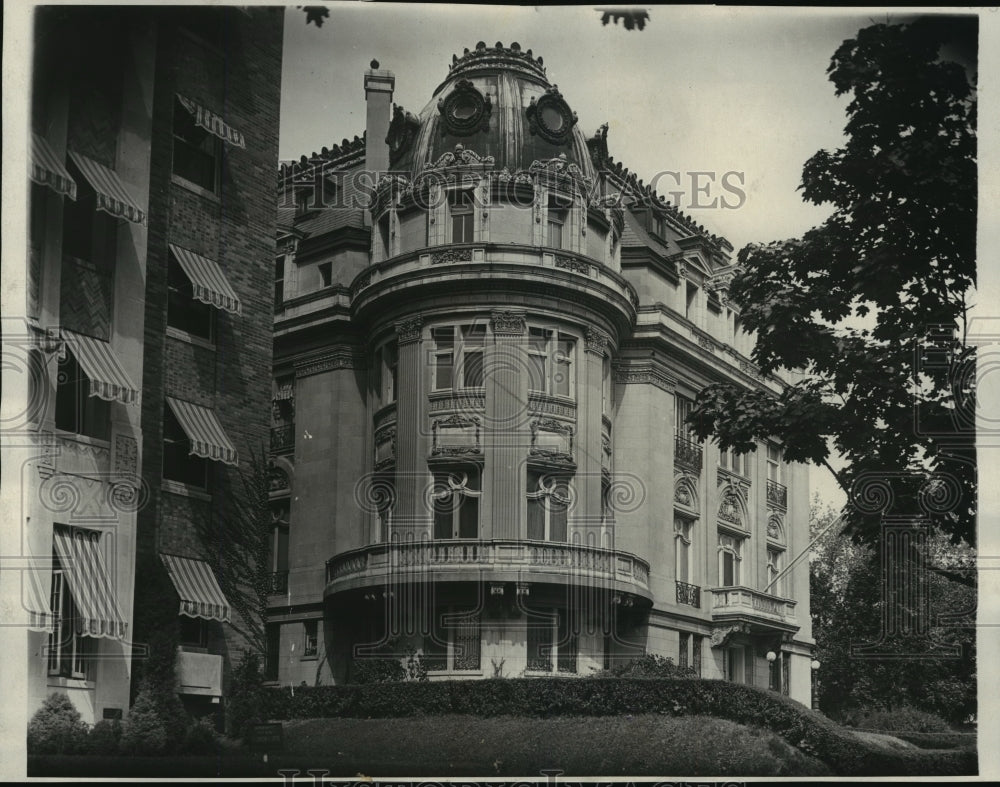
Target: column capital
x,y
596,340
508,323
409,330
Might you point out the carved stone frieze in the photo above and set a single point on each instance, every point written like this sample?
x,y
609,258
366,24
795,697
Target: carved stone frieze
x,y
451,255
409,330
572,264
508,323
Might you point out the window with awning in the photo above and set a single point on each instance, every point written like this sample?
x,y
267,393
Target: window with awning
x,y
212,122
84,574
197,587
108,379
205,434
209,284
46,168
111,194
35,593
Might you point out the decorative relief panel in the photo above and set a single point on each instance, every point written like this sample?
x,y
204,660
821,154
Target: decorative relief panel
x,y
572,264
552,439
457,435
409,330
731,508
775,527
508,323
451,255
596,340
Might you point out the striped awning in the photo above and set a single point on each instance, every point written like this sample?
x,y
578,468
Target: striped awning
x,y
47,168
35,598
201,596
108,380
112,196
79,553
212,123
201,425
209,282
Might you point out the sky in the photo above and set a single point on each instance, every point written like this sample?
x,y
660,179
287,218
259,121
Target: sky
x,y
712,90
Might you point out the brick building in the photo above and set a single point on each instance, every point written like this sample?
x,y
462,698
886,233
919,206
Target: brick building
x,y
488,334
153,151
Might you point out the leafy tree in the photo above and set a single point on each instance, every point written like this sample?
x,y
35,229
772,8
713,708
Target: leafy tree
x,y
851,304
847,600
238,545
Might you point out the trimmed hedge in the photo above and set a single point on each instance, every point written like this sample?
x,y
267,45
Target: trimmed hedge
x,y
811,732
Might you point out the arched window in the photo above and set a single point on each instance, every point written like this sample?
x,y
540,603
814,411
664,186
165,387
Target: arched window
x,y
548,504
456,503
730,557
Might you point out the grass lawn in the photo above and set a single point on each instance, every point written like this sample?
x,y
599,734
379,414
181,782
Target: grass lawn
x,y
644,745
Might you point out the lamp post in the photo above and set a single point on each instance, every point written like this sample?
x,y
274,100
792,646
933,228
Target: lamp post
x,y
814,665
771,656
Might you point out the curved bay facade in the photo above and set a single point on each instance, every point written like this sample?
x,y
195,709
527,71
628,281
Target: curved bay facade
x,y
487,336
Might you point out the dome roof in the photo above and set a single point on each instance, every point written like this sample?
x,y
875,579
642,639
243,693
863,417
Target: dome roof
x,y
496,103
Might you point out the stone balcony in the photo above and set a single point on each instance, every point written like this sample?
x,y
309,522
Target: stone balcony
x,y
199,673
761,610
470,560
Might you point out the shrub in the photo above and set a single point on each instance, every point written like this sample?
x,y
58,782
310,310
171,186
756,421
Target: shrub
x,y
649,665
145,729
105,737
902,719
245,700
377,670
811,732
56,727
201,738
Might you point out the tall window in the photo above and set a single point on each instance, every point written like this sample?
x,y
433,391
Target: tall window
x,y
553,641
738,463
76,410
197,153
86,288
278,545
279,282
682,409
462,218
735,659
548,504
388,372
272,652
70,653
325,274
682,541
730,548
385,496
774,463
455,644
775,565
178,463
696,654
310,638
456,503
550,362
458,356
556,222
383,233
184,312
690,300
607,389
682,650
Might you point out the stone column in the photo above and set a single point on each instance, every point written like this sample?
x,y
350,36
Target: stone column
x,y
505,431
585,518
411,519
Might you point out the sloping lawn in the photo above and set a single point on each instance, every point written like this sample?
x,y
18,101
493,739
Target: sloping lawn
x,y
455,745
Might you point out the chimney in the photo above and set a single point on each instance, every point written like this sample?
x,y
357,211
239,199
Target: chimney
x,y
378,96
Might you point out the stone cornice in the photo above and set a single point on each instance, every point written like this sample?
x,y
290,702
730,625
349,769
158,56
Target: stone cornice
x,y
339,357
644,372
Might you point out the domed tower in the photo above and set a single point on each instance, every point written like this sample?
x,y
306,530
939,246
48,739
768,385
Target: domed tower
x,y
490,466
493,306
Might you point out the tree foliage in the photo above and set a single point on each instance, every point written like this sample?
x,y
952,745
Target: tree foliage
x,y
238,542
858,303
847,598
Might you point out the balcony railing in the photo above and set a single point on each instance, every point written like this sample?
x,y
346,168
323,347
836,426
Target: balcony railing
x,y
777,494
687,454
497,560
277,583
688,594
753,605
283,438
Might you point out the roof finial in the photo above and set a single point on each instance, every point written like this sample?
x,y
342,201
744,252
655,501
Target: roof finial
x,y
374,64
